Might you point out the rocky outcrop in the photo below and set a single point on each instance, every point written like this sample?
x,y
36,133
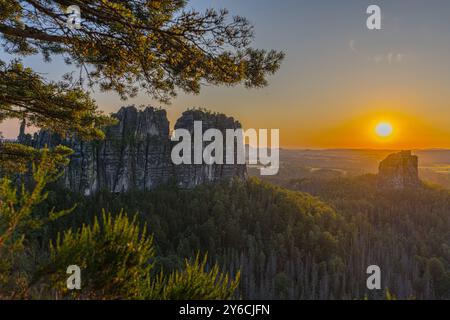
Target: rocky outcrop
x,y
192,174
399,171
136,153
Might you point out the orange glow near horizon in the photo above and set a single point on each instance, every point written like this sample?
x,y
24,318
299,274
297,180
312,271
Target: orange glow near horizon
x,y
377,130
359,132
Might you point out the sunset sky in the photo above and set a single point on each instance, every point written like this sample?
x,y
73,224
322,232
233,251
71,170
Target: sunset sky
x,y
339,79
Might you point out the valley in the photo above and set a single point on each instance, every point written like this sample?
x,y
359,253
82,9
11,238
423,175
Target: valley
x,y
434,165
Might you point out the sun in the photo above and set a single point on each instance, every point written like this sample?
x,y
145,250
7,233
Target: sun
x,y
384,129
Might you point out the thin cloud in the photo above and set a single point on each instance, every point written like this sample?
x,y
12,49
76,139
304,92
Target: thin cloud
x,y
389,58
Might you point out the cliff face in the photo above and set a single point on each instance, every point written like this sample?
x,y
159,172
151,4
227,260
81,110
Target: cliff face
x,y
399,171
136,153
192,175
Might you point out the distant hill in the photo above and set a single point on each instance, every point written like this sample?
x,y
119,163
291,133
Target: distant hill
x,y
434,164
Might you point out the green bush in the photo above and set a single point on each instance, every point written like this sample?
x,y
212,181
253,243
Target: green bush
x,y
192,283
116,258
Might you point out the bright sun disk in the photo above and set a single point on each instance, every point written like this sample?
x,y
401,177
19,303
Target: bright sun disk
x,y
384,129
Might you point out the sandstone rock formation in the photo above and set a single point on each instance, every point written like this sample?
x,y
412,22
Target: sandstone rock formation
x,y
136,153
205,173
399,171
